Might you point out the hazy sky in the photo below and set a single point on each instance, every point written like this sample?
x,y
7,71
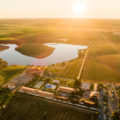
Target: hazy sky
x,y
59,8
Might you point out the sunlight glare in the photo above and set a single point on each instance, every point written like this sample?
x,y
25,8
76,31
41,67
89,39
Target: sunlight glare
x,y
79,8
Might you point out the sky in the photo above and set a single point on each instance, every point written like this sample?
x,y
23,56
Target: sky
x,y
60,9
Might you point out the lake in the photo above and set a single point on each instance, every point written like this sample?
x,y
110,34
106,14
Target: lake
x,y
62,52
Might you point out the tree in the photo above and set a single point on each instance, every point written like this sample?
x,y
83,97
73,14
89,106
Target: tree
x,y
74,98
77,84
91,87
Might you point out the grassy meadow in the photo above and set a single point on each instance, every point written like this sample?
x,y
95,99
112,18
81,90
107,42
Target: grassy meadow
x,y
9,72
69,69
4,95
102,37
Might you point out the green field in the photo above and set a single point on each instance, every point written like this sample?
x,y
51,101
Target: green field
x,y
23,106
102,37
9,72
98,72
68,69
4,95
3,63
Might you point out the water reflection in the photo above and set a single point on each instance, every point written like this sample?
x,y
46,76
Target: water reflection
x,y
62,52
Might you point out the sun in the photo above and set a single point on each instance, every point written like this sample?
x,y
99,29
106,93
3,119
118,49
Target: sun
x,y
79,8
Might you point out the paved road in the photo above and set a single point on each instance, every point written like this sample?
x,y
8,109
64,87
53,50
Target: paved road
x,y
101,114
82,66
113,100
110,110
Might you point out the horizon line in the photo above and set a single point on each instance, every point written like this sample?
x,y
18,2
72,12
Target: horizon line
x,y
63,18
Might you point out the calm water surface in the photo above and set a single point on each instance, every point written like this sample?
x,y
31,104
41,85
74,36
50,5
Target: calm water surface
x,y
62,52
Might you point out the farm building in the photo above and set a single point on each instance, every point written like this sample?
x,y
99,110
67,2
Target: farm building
x,y
64,92
88,102
66,89
55,81
85,86
95,87
36,92
36,70
94,94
